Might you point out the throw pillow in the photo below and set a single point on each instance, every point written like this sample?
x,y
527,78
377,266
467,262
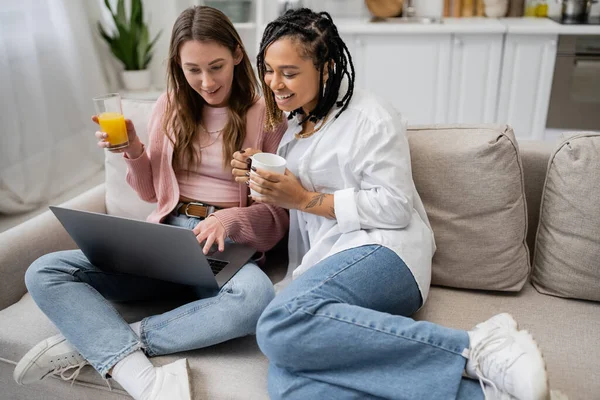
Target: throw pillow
x,y
566,260
470,179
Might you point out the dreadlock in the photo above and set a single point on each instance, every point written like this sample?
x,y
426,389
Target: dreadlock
x,y
322,42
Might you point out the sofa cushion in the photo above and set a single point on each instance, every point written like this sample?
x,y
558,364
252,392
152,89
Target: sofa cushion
x,y
566,330
567,254
470,179
232,370
121,199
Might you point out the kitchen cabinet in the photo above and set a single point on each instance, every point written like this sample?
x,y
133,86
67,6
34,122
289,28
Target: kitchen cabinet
x,y
525,83
474,78
433,78
410,71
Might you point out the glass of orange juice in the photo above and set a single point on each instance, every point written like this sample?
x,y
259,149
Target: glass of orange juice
x,y
112,121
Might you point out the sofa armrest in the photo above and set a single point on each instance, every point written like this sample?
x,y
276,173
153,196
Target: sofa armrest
x,y
24,243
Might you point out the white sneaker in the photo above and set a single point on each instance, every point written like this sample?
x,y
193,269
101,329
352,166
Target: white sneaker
x,y
507,360
53,356
172,382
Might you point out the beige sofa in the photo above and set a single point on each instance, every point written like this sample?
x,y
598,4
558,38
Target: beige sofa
x,y
566,329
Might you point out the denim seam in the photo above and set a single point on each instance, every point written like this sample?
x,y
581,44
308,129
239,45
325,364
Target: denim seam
x,y
144,338
145,326
336,274
412,339
106,302
187,312
113,361
348,266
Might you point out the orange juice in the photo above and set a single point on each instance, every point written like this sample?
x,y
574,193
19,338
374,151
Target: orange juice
x,y
113,124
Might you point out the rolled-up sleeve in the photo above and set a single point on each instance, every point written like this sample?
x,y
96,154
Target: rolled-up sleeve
x,y
346,212
381,163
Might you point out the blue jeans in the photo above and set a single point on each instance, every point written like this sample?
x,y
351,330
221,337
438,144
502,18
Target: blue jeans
x,y
75,296
342,331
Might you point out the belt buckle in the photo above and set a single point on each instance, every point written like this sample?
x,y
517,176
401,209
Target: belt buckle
x,y
195,203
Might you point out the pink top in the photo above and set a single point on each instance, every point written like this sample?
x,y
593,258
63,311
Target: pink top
x,y
210,181
152,176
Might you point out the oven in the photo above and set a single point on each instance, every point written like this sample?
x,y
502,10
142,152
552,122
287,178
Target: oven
x,y
575,96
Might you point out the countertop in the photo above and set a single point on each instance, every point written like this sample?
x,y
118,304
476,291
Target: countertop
x,y
475,25
448,25
544,25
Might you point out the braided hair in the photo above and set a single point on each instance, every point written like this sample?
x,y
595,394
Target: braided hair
x,y
321,42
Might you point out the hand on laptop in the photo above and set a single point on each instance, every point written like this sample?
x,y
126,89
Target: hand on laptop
x,y
212,231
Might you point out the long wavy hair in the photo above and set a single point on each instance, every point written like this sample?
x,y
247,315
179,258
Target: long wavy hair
x,y
184,105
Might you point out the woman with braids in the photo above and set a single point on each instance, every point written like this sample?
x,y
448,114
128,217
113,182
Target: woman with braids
x,y
210,110
360,246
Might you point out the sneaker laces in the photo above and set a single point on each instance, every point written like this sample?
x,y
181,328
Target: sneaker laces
x,y
482,350
60,371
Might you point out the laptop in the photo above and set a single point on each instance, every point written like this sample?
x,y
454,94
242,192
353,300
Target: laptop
x,y
159,251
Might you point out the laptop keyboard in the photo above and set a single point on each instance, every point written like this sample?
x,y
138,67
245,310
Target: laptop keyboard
x,y
216,265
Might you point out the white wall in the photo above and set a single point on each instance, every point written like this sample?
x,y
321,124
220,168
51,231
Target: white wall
x,y
162,15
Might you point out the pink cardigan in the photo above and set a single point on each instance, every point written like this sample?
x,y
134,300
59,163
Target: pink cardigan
x,y
151,175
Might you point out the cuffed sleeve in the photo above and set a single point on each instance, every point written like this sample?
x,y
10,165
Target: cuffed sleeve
x,y
344,203
139,176
260,226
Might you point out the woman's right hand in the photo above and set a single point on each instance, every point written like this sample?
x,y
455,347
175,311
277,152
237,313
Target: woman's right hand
x,y
241,164
135,148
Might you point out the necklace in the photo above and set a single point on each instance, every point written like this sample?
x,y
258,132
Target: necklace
x,y
210,132
310,133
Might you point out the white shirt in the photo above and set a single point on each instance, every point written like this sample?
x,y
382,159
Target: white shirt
x,y
363,158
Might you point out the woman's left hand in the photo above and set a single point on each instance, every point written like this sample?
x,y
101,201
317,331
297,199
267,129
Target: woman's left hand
x,y
211,230
241,164
281,190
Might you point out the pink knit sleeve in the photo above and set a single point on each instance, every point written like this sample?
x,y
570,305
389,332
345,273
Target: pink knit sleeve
x,y
139,170
260,226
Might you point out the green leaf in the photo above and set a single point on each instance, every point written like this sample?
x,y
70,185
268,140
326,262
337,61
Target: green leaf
x,y
126,44
121,17
104,35
149,50
153,42
107,4
136,13
130,41
142,47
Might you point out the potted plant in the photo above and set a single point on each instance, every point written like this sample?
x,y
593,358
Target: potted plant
x,y
130,43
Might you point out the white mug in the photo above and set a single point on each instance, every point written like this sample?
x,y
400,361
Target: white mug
x,y
268,162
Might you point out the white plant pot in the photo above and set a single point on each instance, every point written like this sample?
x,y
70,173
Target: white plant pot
x,y
137,80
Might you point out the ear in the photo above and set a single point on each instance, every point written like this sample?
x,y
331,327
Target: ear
x,y
238,55
328,65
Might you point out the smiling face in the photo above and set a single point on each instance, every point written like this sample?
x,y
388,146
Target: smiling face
x,y
208,68
291,76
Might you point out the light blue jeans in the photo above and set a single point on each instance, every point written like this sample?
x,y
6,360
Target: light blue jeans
x,y
75,296
342,331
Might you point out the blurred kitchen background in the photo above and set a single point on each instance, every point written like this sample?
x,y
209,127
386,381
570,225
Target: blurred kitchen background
x,y
534,64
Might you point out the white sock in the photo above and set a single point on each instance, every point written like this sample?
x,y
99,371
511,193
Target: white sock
x,y
136,327
136,374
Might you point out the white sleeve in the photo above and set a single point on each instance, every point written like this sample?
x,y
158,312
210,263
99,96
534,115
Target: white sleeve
x,y
382,164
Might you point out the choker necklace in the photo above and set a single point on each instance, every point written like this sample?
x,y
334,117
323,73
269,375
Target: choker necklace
x,y
315,130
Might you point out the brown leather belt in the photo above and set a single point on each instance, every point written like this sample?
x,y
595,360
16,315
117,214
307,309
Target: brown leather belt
x,y
196,209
